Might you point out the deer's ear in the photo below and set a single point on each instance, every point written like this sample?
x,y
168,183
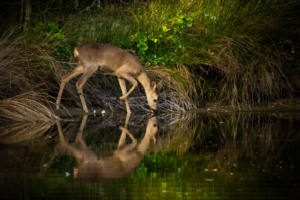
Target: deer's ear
x,y
153,85
160,85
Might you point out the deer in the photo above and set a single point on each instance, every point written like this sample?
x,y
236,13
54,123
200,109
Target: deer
x,y
111,59
125,159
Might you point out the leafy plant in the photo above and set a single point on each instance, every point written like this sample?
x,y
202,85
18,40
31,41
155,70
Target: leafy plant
x,y
163,43
50,36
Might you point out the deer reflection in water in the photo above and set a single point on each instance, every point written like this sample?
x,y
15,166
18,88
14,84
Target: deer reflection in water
x,y
125,159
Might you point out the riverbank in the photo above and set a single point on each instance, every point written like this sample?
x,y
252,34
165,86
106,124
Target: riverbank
x,y
245,54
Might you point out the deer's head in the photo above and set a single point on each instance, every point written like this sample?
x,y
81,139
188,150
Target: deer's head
x,y
153,95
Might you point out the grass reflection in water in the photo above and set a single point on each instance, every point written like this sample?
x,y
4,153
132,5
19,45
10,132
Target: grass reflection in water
x,y
211,156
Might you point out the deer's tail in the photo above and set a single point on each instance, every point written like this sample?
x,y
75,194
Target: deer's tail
x,y
76,53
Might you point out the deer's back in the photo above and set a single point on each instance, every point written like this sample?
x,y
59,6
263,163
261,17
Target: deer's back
x,y
108,58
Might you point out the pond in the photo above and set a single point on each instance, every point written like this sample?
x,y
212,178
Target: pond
x,y
176,156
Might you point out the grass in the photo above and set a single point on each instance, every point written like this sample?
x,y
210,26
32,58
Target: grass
x,y
27,107
238,52
26,80
236,41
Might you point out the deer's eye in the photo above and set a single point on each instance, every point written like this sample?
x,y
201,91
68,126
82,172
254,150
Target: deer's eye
x,y
154,125
154,100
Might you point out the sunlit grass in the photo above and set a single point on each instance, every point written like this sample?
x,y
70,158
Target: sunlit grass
x,y
220,51
236,41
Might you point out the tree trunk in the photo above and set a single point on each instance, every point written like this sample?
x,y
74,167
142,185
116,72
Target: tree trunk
x,y
76,3
27,11
22,11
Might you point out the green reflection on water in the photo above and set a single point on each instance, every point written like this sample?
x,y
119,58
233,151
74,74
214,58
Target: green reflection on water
x,y
217,156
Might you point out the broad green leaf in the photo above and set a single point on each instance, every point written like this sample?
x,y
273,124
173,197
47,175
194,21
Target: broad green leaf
x,y
179,21
165,29
154,40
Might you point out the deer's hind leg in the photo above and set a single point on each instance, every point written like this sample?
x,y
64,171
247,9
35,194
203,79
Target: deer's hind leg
x,y
88,155
89,70
66,78
65,145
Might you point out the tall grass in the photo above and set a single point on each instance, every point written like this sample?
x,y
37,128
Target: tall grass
x,y
221,51
234,42
24,64
26,80
27,107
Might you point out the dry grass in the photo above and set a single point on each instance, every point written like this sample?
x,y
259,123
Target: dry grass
x,y
24,65
25,79
28,107
181,90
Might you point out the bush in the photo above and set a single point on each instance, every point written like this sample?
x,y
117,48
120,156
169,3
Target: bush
x,y
230,44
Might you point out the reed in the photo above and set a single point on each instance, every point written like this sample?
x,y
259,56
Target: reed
x,y
27,107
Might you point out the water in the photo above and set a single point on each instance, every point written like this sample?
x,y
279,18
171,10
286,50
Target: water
x,y
193,156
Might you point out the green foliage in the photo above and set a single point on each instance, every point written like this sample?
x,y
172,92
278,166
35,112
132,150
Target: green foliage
x,y
141,172
159,162
162,43
49,29
101,28
233,44
50,36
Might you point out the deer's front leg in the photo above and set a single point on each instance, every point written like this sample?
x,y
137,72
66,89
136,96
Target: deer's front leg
x,y
125,132
79,139
131,80
124,74
124,91
123,137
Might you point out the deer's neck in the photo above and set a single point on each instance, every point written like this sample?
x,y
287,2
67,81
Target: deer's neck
x,y
144,79
144,144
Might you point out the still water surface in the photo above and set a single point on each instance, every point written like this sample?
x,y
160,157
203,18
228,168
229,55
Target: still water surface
x,y
193,156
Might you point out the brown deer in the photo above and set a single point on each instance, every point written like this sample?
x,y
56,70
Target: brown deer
x,y
121,63
125,159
